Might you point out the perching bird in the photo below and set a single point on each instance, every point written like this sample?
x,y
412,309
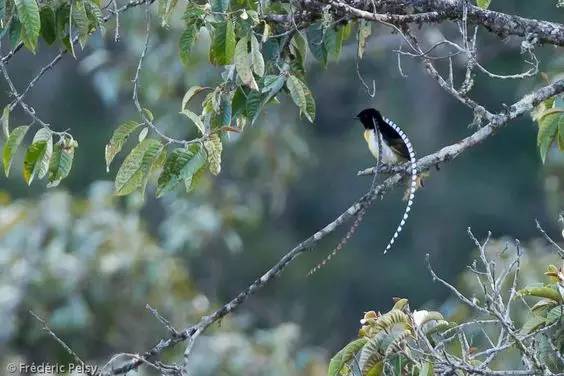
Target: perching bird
x,y
396,149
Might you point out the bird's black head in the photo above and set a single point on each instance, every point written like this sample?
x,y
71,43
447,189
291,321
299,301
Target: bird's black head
x,y
369,117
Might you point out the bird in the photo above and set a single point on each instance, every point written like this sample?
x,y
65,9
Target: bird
x,y
391,146
382,133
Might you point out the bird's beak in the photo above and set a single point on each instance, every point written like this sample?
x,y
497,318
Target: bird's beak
x,y
355,117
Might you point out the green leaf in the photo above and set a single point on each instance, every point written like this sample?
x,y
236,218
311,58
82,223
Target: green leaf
x,y
256,57
214,148
243,63
484,4
296,92
38,155
333,43
118,140
28,14
131,174
302,97
80,19
42,166
315,42
542,292
5,120
179,166
364,31
94,14
61,162
223,44
33,157
187,39
9,150
15,31
48,25
195,119
344,356
548,128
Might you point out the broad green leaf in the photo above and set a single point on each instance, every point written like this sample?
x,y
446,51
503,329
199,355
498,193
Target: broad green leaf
x,y
333,42
315,42
42,166
62,16
14,32
302,97
310,104
80,19
194,90
14,140
131,174
223,44
33,157
118,140
61,162
344,356
94,14
195,119
38,155
296,92
48,25
548,128
214,148
193,13
243,63
484,4
180,165
364,31
542,292
28,14
187,39
253,105
5,120
256,57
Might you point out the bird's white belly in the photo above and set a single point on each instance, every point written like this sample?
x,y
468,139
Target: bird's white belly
x,y
388,155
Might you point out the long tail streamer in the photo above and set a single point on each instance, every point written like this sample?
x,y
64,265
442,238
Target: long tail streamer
x,y
362,212
413,184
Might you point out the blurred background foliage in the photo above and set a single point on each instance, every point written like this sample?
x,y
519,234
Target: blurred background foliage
x,y
89,262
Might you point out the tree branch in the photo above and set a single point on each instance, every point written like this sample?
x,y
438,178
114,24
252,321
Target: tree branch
x,y
447,153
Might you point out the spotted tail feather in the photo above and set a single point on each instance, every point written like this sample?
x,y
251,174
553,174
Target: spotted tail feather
x,y
412,185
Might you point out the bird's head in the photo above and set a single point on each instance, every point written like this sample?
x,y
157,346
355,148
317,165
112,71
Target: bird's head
x,y
369,117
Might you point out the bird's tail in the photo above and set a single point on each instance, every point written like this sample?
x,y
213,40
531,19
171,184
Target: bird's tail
x,y
412,185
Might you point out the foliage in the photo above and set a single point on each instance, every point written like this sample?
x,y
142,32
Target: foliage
x,y
89,266
385,342
422,342
550,118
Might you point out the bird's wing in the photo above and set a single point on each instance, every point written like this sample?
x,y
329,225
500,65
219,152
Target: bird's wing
x,y
394,140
